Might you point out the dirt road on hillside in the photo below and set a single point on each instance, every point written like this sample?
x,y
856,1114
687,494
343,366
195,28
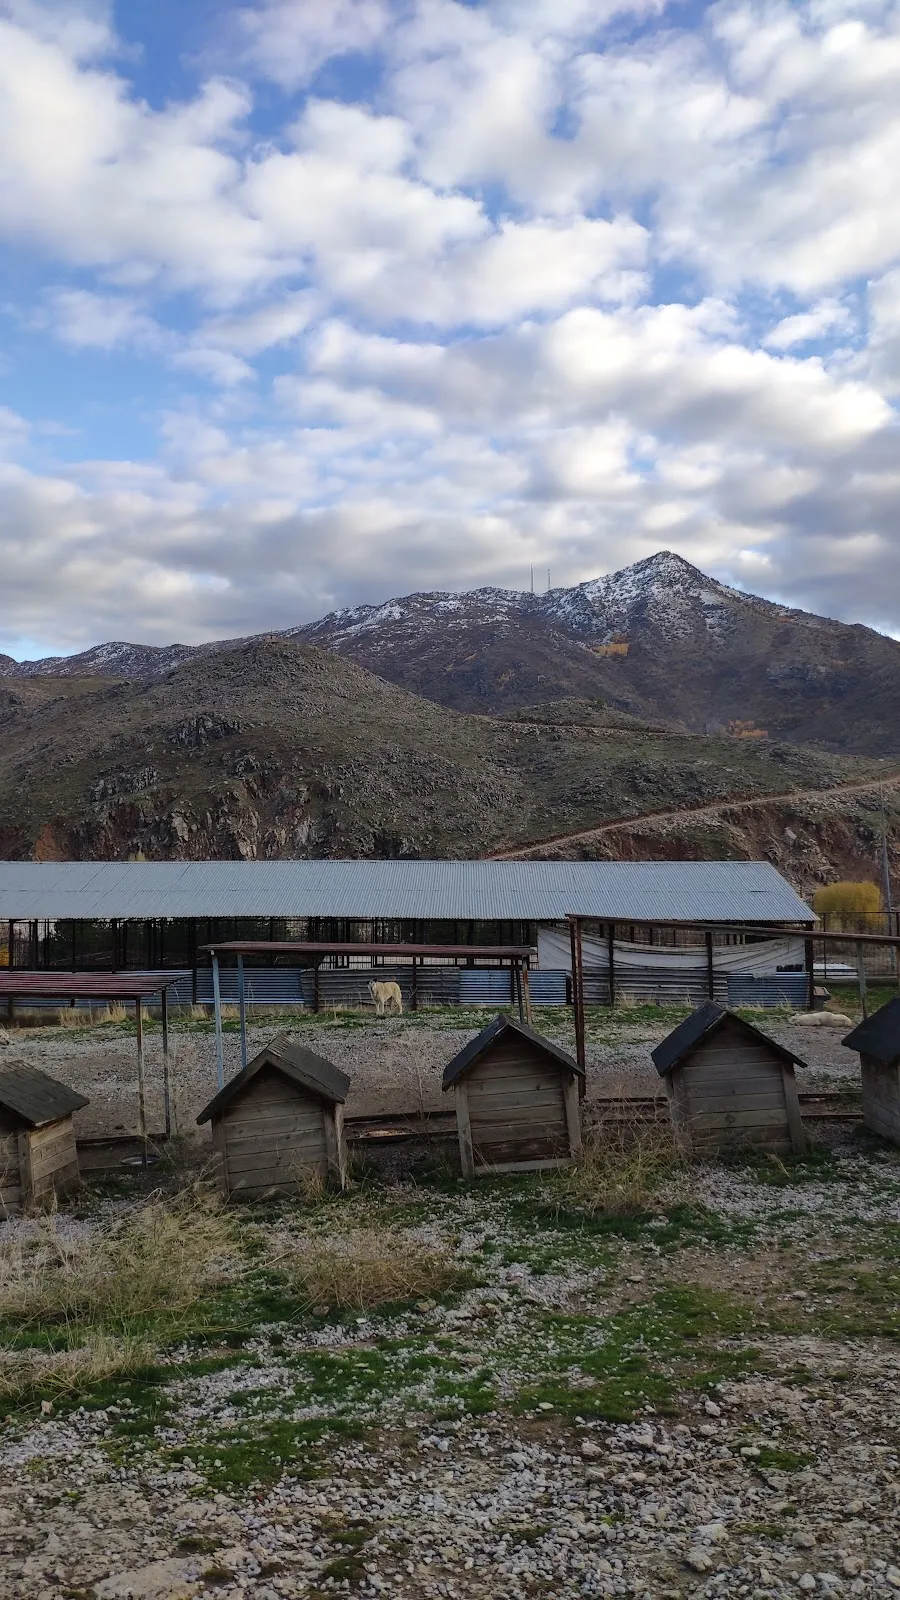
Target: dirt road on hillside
x,y
705,813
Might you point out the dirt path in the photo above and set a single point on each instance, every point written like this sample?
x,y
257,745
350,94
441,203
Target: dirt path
x,y
704,813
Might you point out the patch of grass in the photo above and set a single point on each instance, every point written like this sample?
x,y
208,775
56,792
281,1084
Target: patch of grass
x,y
613,1367
242,1460
772,1456
364,1269
623,1166
816,1164
31,1374
475,1397
161,1255
195,1544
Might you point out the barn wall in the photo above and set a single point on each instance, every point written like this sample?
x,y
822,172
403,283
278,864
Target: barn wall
x,y
732,1092
516,1105
10,1179
53,1160
881,1097
272,1137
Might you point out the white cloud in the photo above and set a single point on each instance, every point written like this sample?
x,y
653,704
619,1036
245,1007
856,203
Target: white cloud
x,y
511,298
827,316
288,40
280,322
102,321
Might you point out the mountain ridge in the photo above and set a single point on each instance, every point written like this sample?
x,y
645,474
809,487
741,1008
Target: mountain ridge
x,y
658,640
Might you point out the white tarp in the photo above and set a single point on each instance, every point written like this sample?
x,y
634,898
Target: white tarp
x,y
772,955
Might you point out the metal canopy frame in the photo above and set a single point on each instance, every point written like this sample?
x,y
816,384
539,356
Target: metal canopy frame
x,y
517,955
806,930
72,986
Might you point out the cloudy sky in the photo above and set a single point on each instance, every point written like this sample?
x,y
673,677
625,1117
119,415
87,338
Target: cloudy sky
x,y
308,302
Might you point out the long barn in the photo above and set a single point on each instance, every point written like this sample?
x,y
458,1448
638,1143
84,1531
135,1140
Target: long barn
x,y
160,916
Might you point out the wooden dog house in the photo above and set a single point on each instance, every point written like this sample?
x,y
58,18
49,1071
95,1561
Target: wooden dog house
x,y
37,1139
729,1085
878,1041
517,1106
280,1122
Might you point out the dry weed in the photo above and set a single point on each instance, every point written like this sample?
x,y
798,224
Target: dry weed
x,y
90,1016
161,1255
61,1373
360,1270
624,1165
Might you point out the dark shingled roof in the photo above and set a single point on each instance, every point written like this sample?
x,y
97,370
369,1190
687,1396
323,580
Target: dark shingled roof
x,y
35,1097
495,1030
699,1025
878,1035
300,1065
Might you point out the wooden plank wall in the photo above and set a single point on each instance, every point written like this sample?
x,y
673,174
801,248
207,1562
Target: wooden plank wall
x,y
10,1178
881,1097
516,1106
273,1137
732,1092
53,1161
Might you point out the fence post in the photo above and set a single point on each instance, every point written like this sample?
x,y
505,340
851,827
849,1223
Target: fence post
x,y
217,1004
242,1005
167,1099
861,970
578,985
142,1107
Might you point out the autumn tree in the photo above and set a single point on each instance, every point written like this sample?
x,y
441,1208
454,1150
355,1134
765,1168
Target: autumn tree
x,y
846,904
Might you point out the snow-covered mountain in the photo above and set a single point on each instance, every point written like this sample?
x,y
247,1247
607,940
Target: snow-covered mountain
x,y
659,639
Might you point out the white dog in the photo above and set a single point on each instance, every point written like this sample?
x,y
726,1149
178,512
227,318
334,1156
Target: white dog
x,y
822,1019
386,996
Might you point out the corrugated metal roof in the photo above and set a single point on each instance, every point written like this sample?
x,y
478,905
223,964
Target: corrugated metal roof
x,y
18,985
535,891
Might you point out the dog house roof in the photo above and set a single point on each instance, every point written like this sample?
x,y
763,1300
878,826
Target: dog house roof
x,y
34,1096
300,1065
879,1035
495,1030
699,1025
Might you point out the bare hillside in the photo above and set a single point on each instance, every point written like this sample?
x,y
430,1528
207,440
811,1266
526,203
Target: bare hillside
x,y
278,749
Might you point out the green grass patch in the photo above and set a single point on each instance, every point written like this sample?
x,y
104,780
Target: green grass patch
x,y
645,1355
772,1456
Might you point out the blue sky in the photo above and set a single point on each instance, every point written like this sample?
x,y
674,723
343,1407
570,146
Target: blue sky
x,y
310,302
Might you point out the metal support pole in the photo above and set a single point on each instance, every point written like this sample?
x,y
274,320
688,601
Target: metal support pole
x,y
414,990
578,997
808,955
610,959
518,995
167,1101
217,1003
142,1106
527,988
316,965
710,971
861,970
242,1006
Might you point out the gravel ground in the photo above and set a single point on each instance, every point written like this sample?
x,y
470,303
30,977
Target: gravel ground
x,y
395,1066
470,1446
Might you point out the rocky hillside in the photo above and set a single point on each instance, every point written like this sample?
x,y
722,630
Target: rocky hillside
x,y
279,749
658,641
